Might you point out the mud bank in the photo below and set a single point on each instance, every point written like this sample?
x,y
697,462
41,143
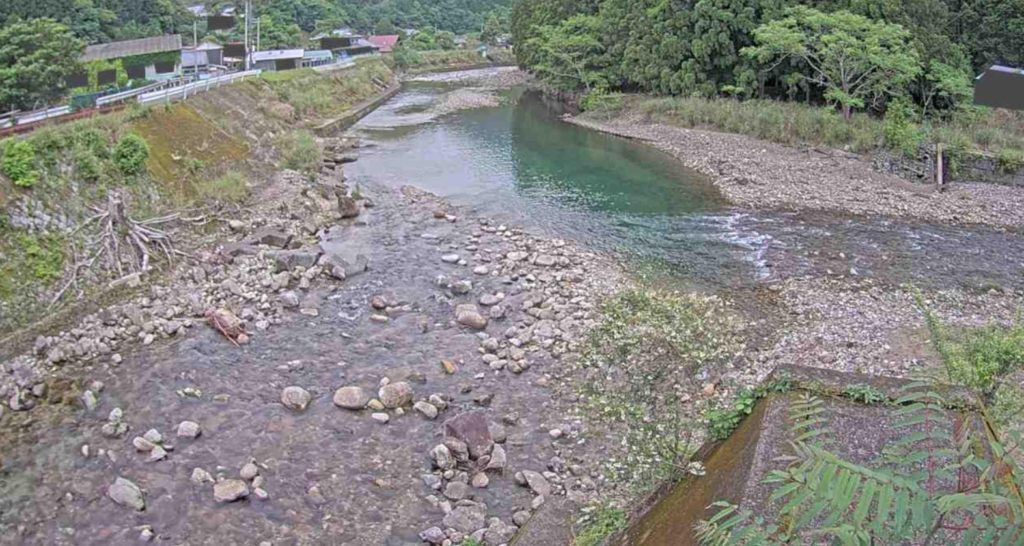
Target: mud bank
x,y
765,176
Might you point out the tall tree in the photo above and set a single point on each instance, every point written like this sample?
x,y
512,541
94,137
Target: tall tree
x,y
36,57
567,53
856,61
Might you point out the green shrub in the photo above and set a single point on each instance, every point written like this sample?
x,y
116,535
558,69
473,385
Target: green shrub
x,y
301,152
1010,160
230,188
93,141
599,525
1007,407
901,134
19,163
87,166
601,100
647,345
130,154
978,357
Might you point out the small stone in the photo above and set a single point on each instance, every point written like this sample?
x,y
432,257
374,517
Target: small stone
x,y
157,454
538,483
555,433
442,457
449,367
295,398
260,494
498,459
142,444
289,299
378,303
434,535
126,493
146,535
480,480
376,405
88,400
153,435
396,395
189,429
456,491
382,418
521,517
249,471
450,258
200,476
427,409
230,490
353,398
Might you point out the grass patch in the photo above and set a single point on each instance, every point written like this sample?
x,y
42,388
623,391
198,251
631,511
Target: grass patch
x,y
177,138
28,260
301,152
796,124
598,525
228,188
647,348
318,95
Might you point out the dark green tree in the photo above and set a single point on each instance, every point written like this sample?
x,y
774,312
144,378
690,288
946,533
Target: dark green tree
x,y
36,57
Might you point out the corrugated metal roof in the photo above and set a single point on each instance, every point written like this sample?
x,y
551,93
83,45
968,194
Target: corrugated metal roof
x,y
318,54
277,54
385,42
130,48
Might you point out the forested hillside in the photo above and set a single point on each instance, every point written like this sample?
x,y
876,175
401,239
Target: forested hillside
x,y
97,21
855,53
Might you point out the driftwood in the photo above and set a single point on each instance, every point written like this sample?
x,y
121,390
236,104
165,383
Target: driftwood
x,y
121,245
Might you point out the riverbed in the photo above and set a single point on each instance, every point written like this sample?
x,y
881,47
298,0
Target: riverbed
x,y
537,219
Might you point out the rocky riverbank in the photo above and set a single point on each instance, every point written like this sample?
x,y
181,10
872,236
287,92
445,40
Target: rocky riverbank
x,y
766,176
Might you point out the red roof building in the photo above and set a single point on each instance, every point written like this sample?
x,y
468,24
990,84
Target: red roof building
x,y
385,43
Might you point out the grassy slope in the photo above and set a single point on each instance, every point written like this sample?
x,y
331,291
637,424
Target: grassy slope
x,y
195,148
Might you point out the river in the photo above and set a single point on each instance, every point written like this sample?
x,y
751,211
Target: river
x,y
521,163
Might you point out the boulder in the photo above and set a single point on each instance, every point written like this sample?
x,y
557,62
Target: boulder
x,y
230,490
471,428
348,207
396,395
467,517
126,493
353,398
295,398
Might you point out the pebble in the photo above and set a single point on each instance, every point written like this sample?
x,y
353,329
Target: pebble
x,y
249,471
427,409
230,490
295,398
382,418
450,258
480,480
189,429
126,493
351,397
396,395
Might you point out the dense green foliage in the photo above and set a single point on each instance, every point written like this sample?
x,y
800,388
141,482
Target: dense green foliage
x,y
301,152
937,483
130,154
35,57
648,344
98,21
598,524
854,53
18,162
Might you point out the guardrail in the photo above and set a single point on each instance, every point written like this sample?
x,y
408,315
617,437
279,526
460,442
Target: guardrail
x,y
131,93
183,91
33,117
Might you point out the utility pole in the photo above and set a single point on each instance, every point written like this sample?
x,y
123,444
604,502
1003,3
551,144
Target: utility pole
x,y
247,56
258,34
195,49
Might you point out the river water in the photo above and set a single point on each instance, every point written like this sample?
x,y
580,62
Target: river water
x,y
520,162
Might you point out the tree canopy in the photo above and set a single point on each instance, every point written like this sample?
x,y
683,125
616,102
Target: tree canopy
x,y
856,61
928,50
35,58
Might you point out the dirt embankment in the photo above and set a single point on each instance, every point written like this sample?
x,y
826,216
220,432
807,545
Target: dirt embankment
x,y
766,176
203,156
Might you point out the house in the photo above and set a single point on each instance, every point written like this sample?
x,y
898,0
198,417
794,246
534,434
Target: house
x,y
385,43
277,59
317,57
147,68
348,46
1000,87
202,60
343,32
197,10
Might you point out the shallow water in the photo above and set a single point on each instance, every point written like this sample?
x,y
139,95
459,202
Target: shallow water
x,y
521,163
